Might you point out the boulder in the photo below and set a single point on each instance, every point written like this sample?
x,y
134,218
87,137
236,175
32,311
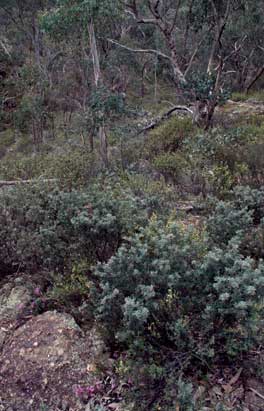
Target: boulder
x,y
12,299
44,361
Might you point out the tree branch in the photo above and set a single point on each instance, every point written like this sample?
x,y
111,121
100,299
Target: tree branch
x,y
175,16
17,182
193,57
164,117
255,79
146,51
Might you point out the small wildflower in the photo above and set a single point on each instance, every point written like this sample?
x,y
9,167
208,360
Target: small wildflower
x,y
91,390
37,291
98,386
79,391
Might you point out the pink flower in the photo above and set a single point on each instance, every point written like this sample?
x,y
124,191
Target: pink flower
x,y
98,386
91,390
37,291
79,391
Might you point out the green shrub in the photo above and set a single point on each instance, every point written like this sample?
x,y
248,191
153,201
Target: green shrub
x,y
7,138
160,196
254,95
22,168
238,96
35,227
227,222
138,281
174,304
227,157
236,217
242,218
171,165
72,289
164,285
72,169
254,159
44,227
169,136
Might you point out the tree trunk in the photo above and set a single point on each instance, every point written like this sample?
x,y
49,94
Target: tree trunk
x,y
36,41
103,145
95,56
97,80
177,72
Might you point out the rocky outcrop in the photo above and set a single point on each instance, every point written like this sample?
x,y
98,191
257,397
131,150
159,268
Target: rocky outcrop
x,y
44,361
14,296
12,299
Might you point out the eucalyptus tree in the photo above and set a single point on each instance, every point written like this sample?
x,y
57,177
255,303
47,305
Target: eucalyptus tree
x,y
88,20
193,36
247,66
23,16
22,41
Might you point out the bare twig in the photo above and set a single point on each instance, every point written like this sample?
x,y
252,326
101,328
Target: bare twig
x,y
193,57
164,117
17,182
257,393
146,51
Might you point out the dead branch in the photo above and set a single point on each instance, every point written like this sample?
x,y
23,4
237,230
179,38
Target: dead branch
x,y
164,117
256,393
146,51
259,73
4,183
193,57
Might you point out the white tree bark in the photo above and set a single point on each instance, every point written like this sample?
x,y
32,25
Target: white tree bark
x,y
97,80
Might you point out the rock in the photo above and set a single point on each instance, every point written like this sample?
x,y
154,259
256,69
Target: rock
x,y
44,360
12,299
15,296
3,333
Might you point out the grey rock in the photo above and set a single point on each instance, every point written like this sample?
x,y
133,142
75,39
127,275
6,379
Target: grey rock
x,y
45,359
12,299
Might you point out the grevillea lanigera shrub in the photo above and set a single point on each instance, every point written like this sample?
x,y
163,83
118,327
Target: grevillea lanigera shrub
x,y
242,217
42,227
164,287
175,302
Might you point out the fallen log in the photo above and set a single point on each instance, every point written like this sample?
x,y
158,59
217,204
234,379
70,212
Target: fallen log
x,y
4,183
165,116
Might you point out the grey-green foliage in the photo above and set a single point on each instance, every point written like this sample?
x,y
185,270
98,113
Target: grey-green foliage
x,y
175,301
236,217
185,399
71,16
236,286
136,281
44,227
227,221
166,289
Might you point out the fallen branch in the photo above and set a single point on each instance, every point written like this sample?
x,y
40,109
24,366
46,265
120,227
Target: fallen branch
x,y
257,393
17,182
164,117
